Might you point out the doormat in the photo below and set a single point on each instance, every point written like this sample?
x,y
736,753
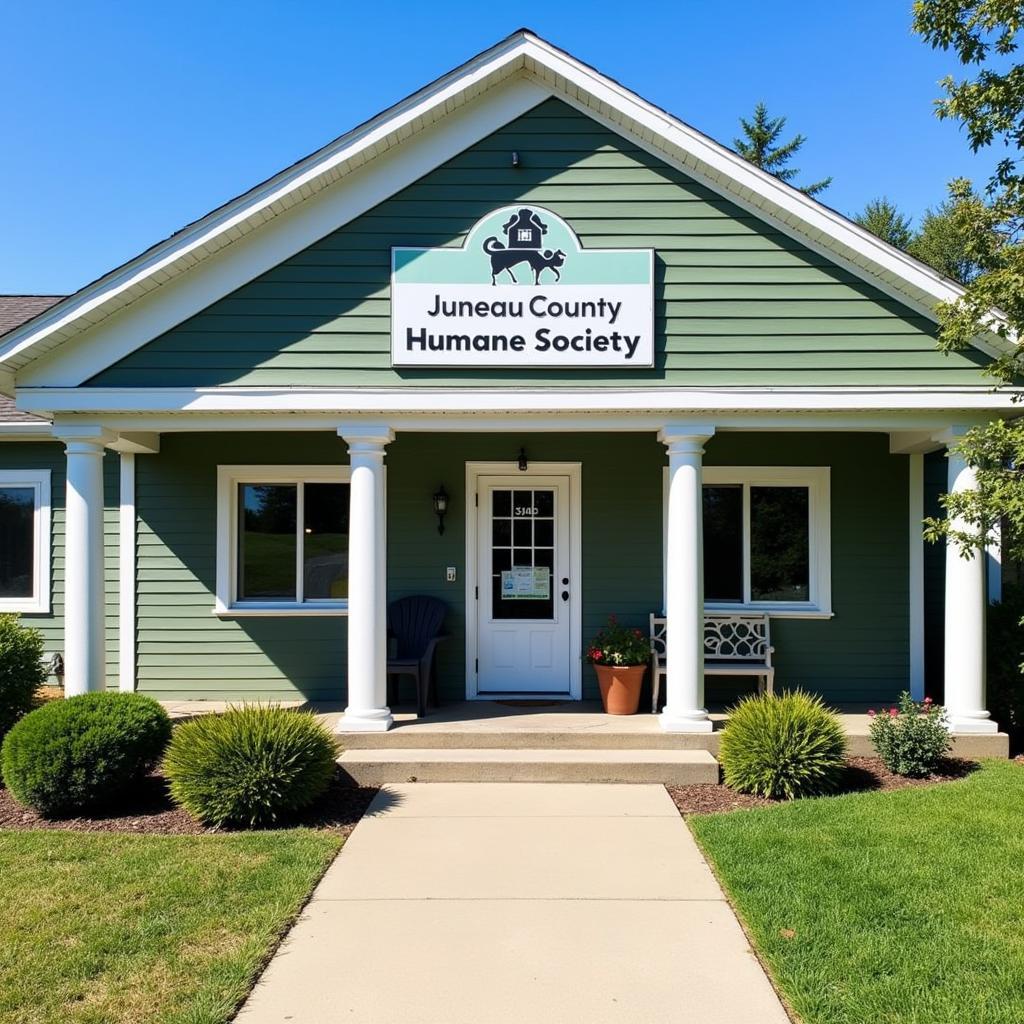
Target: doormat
x,y
531,703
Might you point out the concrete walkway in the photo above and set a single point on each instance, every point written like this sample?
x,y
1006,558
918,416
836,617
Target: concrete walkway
x,y
480,903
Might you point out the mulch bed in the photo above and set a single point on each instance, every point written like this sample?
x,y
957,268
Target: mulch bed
x,y
151,812
863,774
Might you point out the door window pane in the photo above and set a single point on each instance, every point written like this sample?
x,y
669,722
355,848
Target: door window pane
x,y
723,543
779,544
17,541
325,542
266,541
522,538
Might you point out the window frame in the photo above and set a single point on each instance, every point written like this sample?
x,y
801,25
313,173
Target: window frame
x,y
817,480
39,481
229,478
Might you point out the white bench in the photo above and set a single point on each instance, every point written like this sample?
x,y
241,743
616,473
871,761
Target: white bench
x,y
735,644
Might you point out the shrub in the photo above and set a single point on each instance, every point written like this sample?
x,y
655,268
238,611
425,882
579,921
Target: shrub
x,y
911,739
72,755
249,766
783,747
21,670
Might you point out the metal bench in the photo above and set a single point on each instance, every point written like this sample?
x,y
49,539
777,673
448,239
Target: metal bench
x,y
735,644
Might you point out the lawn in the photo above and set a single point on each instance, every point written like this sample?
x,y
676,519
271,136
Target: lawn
x,y
878,908
105,928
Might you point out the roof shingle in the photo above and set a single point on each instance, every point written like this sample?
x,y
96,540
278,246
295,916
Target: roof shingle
x,y
14,311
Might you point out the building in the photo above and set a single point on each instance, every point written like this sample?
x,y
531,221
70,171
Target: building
x,y
723,371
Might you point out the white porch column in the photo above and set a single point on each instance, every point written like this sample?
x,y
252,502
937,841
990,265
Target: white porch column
x,y
966,598
367,709
684,580
84,610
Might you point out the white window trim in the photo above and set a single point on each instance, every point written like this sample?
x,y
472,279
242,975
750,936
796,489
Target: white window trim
x,y
228,478
39,481
817,480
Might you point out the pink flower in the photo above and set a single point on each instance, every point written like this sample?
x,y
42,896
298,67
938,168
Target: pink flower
x,y
928,700
871,712
894,712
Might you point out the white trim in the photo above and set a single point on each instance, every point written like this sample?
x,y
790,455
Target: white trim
x,y
126,576
574,471
817,480
471,400
915,540
39,482
548,72
25,432
227,604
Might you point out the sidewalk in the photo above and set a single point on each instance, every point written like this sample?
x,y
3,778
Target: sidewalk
x,y
485,903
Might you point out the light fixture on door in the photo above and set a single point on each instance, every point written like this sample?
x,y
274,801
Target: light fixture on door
x,y
440,507
523,464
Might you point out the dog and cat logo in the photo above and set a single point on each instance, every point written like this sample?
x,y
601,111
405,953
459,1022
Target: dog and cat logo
x,y
524,236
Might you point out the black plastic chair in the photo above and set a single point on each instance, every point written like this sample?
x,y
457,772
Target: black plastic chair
x,y
415,624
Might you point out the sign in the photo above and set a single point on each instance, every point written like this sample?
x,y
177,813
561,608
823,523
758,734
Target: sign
x,y
522,292
526,583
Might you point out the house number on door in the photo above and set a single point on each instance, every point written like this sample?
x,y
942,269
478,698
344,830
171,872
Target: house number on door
x,y
523,510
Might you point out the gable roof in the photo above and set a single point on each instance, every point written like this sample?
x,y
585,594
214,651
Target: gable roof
x,y
522,55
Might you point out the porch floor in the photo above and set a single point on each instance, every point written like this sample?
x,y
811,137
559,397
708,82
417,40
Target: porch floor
x,y
571,725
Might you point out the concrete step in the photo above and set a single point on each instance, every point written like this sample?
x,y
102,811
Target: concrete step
x,y
482,764
418,737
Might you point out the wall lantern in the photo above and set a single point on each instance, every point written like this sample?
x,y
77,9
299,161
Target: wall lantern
x,y
440,507
515,159
523,464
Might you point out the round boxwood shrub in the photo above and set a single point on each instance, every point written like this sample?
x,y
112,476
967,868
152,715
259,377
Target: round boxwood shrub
x,y
783,747
250,766
73,755
21,670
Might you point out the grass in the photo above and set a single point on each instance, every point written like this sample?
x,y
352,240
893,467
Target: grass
x,y
104,928
891,908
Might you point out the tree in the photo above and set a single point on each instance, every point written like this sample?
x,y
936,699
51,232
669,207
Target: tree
x,y
983,34
944,240
762,148
881,218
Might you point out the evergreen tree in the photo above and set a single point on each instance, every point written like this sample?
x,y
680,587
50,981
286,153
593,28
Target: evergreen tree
x,y
881,218
762,148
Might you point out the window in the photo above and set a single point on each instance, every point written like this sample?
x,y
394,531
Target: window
x,y
524,235
767,540
282,540
25,540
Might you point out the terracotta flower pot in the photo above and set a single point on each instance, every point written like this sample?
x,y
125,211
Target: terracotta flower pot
x,y
620,687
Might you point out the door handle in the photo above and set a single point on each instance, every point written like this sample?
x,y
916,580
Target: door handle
x,y
565,595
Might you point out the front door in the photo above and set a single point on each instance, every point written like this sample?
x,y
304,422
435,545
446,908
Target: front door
x,y
526,592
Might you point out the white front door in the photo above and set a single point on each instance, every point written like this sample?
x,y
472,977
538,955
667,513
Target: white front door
x,y
526,593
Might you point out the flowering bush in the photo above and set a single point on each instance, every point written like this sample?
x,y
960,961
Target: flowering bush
x,y
911,739
619,645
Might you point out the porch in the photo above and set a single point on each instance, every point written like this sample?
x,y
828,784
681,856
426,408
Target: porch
x,y
847,621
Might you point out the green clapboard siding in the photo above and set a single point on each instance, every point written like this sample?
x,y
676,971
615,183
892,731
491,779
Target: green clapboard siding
x,y
50,455
185,651
737,302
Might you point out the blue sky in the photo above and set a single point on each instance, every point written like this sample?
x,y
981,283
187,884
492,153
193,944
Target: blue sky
x,y
122,122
